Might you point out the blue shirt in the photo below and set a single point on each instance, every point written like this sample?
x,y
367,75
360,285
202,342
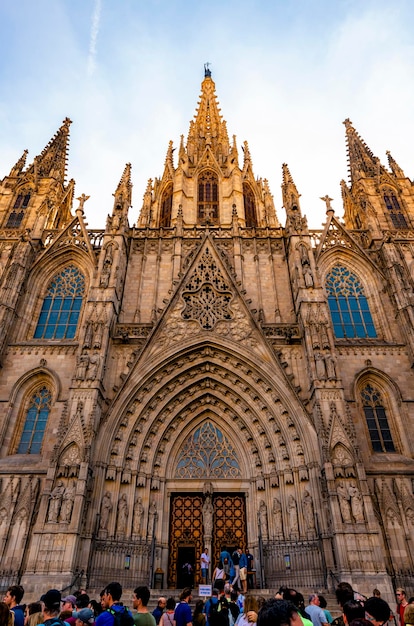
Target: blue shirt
x,y
243,560
106,619
183,614
18,615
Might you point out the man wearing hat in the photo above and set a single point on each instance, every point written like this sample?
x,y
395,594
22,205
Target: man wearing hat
x,y
51,601
68,605
84,616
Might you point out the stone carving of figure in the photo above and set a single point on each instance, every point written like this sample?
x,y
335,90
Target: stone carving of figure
x,y
344,504
67,503
357,506
81,366
122,515
138,515
320,366
293,515
330,363
88,335
98,334
307,276
263,519
152,512
55,502
277,516
324,335
93,366
308,512
208,516
106,508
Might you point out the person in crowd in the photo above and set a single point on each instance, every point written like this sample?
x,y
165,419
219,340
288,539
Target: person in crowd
x,y
51,607
95,606
278,613
353,609
250,611
84,617
234,607
12,598
167,618
182,614
33,608
6,616
250,561
159,609
204,565
243,562
68,606
323,604
409,614
218,576
401,604
199,617
291,595
377,611
318,617
140,600
111,604
376,593
343,593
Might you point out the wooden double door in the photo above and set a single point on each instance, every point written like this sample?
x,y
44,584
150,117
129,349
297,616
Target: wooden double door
x,y
186,535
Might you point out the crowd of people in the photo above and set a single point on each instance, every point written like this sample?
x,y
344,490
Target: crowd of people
x,y
229,605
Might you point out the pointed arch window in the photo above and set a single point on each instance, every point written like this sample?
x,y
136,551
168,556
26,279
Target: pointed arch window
x,y
166,207
61,307
35,422
394,210
249,206
348,304
18,211
377,421
208,205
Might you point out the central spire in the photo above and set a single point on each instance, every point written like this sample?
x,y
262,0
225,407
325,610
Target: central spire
x,y
208,128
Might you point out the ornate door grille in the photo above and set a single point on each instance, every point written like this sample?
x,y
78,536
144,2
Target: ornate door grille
x,y
186,528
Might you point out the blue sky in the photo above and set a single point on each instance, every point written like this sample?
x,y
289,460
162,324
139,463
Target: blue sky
x,y
128,73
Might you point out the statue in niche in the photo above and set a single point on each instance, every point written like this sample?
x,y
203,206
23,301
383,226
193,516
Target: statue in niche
x,y
93,366
152,513
308,512
293,515
307,276
67,503
55,502
320,366
330,363
138,516
81,366
277,516
88,335
107,266
98,334
344,502
324,334
263,519
122,522
106,508
357,506
208,516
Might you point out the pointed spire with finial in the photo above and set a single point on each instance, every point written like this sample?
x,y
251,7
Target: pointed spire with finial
x,y
362,161
294,222
169,162
19,166
182,157
144,217
52,162
247,158
394,167
123,193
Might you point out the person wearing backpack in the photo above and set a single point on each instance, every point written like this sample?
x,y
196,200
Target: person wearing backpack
x,y
182,615
140,600
51,608
114,613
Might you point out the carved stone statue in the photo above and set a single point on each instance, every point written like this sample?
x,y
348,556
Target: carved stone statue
x,y
138,515
357,506
308,512
106,508
98,334
122,522
263,519
344,502
55,502
93,366
88,335
67,503
320,366
293,515
277,516
330,363
307,276
208,516
152,512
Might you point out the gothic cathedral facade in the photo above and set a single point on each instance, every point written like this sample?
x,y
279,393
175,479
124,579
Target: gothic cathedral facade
x,y
206,376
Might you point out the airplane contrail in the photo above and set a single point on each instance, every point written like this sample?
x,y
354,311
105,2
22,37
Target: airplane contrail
x,y
96,17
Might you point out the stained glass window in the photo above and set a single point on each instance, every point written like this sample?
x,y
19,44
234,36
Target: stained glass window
x,y
395,212
249,206
207,453
208,198
61,307
17,214
377,422
35,422
348,304
166,207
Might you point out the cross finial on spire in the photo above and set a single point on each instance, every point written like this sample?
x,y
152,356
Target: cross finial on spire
x,y
327,201
82,199
207,71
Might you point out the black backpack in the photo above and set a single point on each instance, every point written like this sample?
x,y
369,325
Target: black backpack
x,y
122,618
219,613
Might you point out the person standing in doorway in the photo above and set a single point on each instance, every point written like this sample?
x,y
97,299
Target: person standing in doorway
x,y
204,563
235,557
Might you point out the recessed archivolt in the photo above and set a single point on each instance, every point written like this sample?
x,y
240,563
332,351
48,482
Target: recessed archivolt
x,y
242,399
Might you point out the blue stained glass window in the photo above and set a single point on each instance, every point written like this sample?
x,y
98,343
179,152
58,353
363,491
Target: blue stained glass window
x,y
348,304
395,212
35,423
377,422
59,316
